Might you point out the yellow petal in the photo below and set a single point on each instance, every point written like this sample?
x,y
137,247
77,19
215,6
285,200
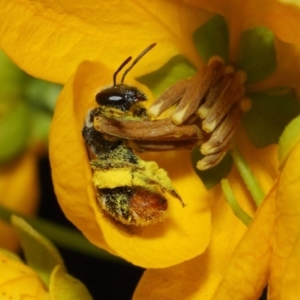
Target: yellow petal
x,y
19,192
26,297
50,39
17,281
71,176
186,232
247,272
65,287
284,279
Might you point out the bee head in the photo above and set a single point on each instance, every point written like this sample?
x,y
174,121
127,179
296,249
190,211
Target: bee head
x,y
122,96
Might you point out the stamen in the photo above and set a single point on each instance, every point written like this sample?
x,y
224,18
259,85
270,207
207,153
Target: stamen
x,y
197,90
171,96
210,161
232,92
215,101
223,134
218,113
214,94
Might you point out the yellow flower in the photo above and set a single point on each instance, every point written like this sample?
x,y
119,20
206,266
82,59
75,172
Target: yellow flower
x,y
64,34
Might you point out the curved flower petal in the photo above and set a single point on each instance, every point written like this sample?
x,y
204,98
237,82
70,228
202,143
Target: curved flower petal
x,y
64,286
18,280
64,33
182,236
19,192
284,280
246,274
271,245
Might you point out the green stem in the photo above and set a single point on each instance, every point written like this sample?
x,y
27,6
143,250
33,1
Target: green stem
x,y
62,236
230,198
247,175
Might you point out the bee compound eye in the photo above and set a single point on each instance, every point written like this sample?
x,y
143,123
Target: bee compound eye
x,y
111,97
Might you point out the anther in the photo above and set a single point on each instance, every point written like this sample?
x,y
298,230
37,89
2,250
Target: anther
x,y
196,91
171,96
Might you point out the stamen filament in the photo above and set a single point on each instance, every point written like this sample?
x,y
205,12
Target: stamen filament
x,y
248,176
233,203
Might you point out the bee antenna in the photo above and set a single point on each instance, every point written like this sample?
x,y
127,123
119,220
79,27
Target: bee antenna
x,y
126,61
136,60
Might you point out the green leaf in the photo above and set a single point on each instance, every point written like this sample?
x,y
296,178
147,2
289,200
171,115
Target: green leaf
x,y
176,68
65,287
11,80
257,53
212,38
271,111
289,138
213,176
14,131
40,125
42,94
41,255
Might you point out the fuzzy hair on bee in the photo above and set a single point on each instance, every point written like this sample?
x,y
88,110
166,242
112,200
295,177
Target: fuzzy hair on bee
x,y
128,189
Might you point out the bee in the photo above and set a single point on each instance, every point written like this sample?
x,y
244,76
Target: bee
x,y
128,189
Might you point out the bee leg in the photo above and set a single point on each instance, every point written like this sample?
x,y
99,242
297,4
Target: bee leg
x,y
162,129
